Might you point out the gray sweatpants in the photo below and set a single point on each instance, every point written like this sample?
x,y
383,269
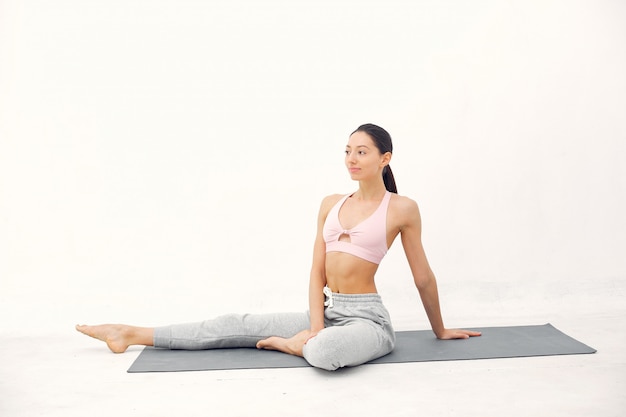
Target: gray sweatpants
x,y
357,329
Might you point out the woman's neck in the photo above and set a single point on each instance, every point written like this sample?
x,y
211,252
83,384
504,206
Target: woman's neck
x,y
371,191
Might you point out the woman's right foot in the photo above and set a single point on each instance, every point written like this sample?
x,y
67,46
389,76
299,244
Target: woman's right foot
x,y
117,336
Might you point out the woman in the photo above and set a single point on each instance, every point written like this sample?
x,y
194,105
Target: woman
x,y
346,324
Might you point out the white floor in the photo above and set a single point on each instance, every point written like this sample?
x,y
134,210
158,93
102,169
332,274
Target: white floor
x,y
62,373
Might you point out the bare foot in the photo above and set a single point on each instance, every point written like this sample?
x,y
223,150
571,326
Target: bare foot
x,y
292,346
118,337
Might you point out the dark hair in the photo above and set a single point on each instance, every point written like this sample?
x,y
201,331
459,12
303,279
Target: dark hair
x,y
382,140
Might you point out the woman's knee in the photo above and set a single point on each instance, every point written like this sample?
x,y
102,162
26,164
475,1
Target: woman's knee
x,y
331,349
336,347
321,355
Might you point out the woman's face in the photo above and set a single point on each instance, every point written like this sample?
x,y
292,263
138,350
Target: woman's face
x,y
363,159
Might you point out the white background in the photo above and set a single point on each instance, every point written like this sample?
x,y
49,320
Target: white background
x,y
163,161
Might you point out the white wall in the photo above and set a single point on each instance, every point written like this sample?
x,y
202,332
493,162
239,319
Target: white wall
x,y
164,160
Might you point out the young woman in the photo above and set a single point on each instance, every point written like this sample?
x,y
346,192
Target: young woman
x,y
347,323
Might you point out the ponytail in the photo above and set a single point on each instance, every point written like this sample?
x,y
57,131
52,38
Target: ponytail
x,y
389,180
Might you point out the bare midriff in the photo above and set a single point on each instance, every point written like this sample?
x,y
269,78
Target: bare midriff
x,y
348,274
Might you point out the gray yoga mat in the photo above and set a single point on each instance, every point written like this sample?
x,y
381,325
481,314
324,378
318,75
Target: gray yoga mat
x,y
411,346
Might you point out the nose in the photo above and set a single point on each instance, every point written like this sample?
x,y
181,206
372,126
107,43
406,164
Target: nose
x,y
350,157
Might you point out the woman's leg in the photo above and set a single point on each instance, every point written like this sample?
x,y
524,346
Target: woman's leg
x,y
230,331
119,337
358,330
347,345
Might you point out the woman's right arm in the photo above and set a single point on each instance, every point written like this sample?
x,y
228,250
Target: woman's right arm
x,y
318,272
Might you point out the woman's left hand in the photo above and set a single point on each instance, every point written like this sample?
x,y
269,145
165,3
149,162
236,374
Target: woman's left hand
x,y
448,334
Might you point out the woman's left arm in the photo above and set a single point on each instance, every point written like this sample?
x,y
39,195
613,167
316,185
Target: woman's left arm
x,y
423,276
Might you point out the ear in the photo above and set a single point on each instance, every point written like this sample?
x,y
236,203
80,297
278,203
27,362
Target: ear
x,y
385,159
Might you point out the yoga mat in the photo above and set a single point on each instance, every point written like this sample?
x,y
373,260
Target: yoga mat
x,y
411,346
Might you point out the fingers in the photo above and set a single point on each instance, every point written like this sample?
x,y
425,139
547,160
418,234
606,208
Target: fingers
x,y
460,334
310,336
467,333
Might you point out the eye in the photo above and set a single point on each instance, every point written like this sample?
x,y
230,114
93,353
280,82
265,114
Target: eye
x,y
361,152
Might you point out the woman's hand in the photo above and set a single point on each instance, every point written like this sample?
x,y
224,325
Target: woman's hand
x,y
448,334
311,335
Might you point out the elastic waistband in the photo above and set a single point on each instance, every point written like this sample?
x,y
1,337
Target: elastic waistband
x,y
332,297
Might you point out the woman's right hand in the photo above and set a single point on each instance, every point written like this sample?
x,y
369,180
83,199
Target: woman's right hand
x,y
311,335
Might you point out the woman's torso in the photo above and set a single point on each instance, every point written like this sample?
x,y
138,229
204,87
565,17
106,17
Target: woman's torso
x,y
345,272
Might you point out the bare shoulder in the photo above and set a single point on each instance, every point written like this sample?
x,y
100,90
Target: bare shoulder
x,y
403,205
332,199
328,202
404,209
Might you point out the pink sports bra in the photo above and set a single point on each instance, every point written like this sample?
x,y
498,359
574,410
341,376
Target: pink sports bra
x,y
368,239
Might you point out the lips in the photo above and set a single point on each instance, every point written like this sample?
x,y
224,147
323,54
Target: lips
x,y
352,170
